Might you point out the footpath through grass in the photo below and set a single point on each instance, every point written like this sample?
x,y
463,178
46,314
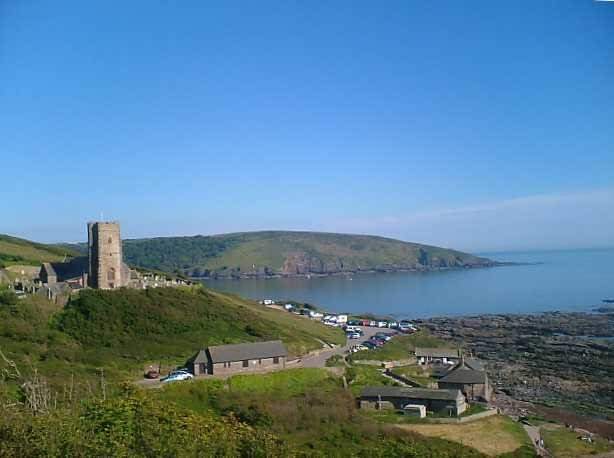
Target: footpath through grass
x,y
492,436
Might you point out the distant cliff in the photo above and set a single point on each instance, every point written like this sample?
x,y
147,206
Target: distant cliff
x,y
282,253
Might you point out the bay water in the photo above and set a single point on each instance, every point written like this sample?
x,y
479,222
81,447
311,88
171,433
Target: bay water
x,y
574,280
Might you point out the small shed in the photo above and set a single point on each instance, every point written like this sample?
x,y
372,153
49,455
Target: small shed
x,y
415,410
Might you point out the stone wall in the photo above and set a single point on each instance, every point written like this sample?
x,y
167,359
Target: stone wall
x,y
253,365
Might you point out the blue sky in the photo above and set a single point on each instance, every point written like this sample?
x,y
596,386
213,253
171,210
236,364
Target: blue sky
x,y
486,126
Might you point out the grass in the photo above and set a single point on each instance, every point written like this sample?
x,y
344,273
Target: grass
x,y
492,436
415,373
123,330
473,409
14,250
360,376
335,361
564,443
309,410
399,347
284,384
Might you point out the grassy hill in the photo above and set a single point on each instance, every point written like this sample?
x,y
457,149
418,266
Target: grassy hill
x,y
121,330
14,250
289,253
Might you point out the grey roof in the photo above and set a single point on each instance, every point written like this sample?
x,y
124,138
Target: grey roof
x,y
474,363
49,269
464,375
244,351
409,393
198,358
437,352
74,268
439,370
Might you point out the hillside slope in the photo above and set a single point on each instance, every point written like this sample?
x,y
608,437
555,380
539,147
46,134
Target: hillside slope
x,y
14,250
120,330
290,253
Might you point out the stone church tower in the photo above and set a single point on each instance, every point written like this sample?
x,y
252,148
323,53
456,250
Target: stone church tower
x,y
106,269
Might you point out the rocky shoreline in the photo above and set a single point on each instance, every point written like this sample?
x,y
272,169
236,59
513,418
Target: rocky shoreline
x,y
562,360
267,274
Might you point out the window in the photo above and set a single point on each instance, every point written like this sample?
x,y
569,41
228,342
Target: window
x,y
110,241
276,360
111,274
246,363
260,361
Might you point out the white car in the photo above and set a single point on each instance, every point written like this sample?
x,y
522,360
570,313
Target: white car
x,y
177,377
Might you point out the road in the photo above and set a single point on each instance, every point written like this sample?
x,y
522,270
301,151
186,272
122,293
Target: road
x,y
319,359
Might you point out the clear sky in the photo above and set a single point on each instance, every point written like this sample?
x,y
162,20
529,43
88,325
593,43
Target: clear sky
x,y
483,125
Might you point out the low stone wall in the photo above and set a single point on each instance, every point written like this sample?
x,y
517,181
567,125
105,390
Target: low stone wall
x,y
373,362
467,419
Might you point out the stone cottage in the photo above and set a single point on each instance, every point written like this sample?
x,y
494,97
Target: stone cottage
x,y
448,402
470,378
239,358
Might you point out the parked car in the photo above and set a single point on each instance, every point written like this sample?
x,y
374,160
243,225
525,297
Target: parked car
x,y
377,342
177,377
354,335
369,345
382,324
381,335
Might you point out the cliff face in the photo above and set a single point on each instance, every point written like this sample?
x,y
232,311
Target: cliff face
x,y
258,254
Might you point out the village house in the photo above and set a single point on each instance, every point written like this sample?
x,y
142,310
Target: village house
x,y
470,378
239,358
448,402
437,355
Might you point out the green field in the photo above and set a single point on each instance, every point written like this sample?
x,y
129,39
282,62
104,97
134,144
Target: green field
x,y
418,374
564,443
14,250
399,347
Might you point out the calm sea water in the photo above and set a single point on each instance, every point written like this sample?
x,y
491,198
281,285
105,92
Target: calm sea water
x,y
566,281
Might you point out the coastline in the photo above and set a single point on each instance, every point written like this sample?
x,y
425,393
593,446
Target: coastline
x,y
349,273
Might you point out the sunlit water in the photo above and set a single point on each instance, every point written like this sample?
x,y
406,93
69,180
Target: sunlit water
x,y
565,280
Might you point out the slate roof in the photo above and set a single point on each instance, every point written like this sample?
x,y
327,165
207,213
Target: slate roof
x,y
74,268
437,352
474,363
245,351
439,370
409,393
198,358
464,375
49,269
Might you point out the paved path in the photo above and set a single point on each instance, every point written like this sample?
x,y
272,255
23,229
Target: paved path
x,y
319,359
535,436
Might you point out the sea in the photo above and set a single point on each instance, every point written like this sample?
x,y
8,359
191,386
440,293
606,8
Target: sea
x,y
573,280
